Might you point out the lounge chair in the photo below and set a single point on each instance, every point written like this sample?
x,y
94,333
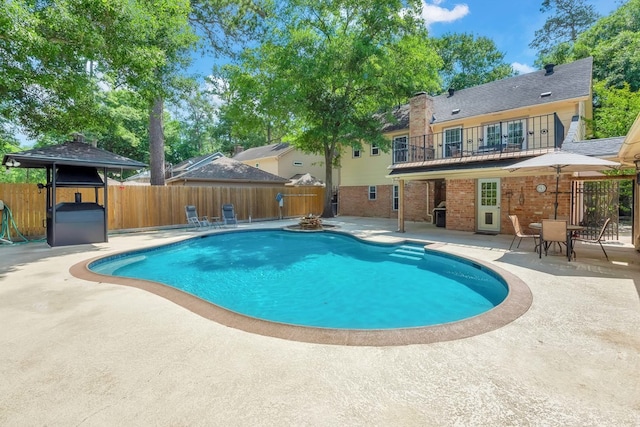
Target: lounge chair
x,y
598,239
195,220
229,216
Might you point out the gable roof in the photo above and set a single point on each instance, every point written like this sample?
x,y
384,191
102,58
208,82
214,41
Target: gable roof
x,y
195,162
567,81
272,150
226,169
72,154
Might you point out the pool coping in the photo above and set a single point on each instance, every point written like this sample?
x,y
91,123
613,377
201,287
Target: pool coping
x,y
517,302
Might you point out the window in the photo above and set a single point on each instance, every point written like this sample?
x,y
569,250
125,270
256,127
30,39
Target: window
x,y
372,192
395,201
452,142
515,132
299,164
356,153
257,165
375,151
492,135
400,149
504,135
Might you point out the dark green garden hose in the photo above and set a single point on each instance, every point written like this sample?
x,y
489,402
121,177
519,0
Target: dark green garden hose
x,y
7,224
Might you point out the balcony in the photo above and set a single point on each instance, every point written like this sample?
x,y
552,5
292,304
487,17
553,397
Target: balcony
x,y
495,139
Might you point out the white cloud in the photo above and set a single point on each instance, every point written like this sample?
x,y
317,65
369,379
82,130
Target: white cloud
x,y
432,12
522,68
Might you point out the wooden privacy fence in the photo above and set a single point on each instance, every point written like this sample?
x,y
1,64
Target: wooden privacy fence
x,y
131,207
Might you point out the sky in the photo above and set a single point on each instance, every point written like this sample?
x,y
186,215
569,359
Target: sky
x,y
511,24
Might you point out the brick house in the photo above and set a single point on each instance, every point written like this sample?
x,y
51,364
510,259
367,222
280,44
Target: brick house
x,y
451,148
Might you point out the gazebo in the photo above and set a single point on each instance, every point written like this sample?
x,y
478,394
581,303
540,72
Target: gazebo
x,y
73,164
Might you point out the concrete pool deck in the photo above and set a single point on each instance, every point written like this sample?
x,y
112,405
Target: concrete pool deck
x,y
74,352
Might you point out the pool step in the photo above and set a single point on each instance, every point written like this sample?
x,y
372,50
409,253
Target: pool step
x,y
414,253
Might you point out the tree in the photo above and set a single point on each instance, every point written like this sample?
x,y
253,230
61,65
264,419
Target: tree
x,y
570,18
614,43
470,61
251,113
54,56
333,65
615,109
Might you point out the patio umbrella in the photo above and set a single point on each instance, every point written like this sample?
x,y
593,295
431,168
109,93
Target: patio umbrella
x,y
562,161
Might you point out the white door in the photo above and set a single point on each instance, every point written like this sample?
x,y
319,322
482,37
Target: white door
x,y
489,205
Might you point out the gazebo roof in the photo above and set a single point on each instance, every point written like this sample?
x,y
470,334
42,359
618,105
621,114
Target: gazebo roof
x,y
71,154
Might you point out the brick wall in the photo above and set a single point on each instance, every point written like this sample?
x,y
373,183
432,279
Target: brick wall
x,y
354,201
518,196
461,204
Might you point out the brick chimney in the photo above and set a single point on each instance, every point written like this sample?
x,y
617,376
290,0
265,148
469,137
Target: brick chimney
x,y
420,114
237,149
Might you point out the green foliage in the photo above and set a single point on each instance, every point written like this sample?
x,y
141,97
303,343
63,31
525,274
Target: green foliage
x,y
615,109
614,43
569,19
326,68
54,55
470,61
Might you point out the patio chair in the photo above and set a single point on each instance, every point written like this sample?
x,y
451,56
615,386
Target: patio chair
x,y
598,240
195,220
553,231
229,216
521,234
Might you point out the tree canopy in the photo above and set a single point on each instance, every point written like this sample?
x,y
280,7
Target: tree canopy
x,y
331,66
470,61
569,18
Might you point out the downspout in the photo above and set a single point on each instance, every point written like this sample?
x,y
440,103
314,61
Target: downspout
x,y
429,215
401,206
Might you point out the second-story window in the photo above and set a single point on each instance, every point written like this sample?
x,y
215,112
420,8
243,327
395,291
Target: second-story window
x,y
400,149
515,133
375,150
452,142
492,135
356,153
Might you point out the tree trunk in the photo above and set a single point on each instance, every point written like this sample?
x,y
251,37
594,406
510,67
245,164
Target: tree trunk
x,y
156,142
328,189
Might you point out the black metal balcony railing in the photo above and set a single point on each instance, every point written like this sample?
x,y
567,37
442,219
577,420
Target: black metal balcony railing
x,y
501,137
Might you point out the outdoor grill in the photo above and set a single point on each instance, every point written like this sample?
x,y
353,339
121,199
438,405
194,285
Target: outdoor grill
x,y
75,223
440,215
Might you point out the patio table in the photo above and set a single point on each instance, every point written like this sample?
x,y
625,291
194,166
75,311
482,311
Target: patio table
x,y
571,228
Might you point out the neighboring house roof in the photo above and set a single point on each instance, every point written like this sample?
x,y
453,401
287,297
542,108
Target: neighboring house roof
x,y
401,119
226,169
273,150
72,154
195,162
568,81
189,164
305,180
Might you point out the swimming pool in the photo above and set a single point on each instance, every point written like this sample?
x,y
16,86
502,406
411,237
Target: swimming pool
x,y
320,280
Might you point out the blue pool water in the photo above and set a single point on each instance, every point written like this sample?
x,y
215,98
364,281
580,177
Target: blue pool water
x,y
327,280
